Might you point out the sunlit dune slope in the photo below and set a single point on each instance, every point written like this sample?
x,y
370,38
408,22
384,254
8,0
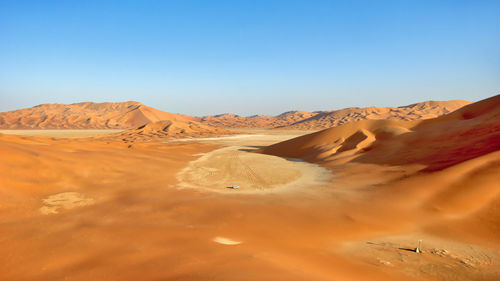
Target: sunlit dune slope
x,y
85,115
444,168
436,143
125,115
417,111
109,208
85,210
229,120
303,120
168,129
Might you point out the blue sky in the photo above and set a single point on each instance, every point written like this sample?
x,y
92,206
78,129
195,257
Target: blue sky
x,y
248,57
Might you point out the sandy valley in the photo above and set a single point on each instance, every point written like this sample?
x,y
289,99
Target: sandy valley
x,y
353,202
249,140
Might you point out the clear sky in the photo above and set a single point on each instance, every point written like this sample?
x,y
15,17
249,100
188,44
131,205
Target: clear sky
x,y
248,57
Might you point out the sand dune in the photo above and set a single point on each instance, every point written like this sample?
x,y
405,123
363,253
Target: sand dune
x,y
469,132
303,120
445,171
168,129
229,120
418,111
86,209
85,115
142,226
125,115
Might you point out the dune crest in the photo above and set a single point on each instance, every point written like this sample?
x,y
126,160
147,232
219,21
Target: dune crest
x,y
147,211
436,143
126,115
168,129
303,120
85,115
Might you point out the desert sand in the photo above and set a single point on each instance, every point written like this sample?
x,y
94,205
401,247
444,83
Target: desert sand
x,y
130,115
66,133
85,115
303,120
224,168
168,129
347,203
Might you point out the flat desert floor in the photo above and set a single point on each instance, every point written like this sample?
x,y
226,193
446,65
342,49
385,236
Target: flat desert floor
x,y
83,209
236,165
59,133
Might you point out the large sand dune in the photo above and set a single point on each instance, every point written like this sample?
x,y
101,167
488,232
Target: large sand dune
x,y
229,120
126,115
85,115
167,129
437,143
443,170
88,209
303,120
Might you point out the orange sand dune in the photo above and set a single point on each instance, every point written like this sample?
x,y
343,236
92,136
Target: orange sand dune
x,y
85,115
442,172
229,120
469,132
168,129
303,120
86,209
125,115
422,110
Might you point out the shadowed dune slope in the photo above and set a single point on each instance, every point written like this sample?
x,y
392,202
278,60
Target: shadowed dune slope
x,y
168,129
85,115
93,210
303,120
447,168
436,143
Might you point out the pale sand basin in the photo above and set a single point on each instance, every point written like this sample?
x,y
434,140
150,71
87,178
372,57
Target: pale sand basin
x,y
221,138
249,137
225,241
65,200
252,172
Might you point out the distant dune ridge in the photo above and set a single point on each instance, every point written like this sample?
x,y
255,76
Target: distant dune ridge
x,y
385,186
229,120
437,143
126,115
304,120
85,115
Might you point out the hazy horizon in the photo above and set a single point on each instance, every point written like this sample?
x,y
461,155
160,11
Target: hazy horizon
x,y
248,57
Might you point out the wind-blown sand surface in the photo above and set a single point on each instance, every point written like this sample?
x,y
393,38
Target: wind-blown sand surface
x,y
64,133
131,114
117,211
86,115
303,120
168,129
